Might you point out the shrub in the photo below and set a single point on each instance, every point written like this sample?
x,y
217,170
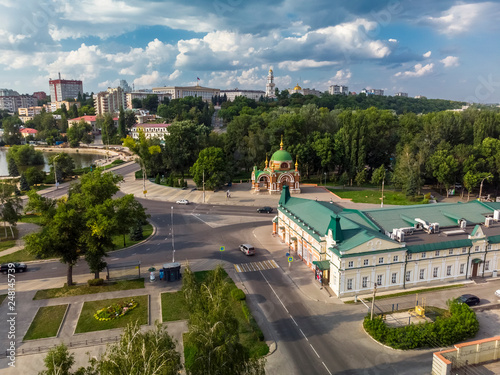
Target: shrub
x,y
157,179
95,282
246,311
238,294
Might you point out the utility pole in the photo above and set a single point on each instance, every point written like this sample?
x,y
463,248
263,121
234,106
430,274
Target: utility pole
x,y
203,186
373,299
172,221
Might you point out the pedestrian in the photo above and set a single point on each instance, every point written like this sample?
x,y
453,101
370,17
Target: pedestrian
x,y
161,274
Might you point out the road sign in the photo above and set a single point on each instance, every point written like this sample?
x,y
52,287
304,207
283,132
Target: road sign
x,y
290,259
287,254
222,248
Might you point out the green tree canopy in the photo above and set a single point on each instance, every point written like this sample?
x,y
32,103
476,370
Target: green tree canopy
x,y
212,166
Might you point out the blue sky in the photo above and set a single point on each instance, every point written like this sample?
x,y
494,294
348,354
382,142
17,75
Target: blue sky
x,y
440,49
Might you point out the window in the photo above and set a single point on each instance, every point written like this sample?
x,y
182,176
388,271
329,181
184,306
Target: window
x,y
464,250
409,256
364,282
476,248
349,284
435,272
408,275
395,258
422,274
394,278
448,271
462,266
350,264
365,262
487,265
450,251
424,255
379,279
437,253
380,260
488,247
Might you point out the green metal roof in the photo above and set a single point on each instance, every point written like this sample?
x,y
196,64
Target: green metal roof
x,y
494,239
323,265
281,155
445,214
439,246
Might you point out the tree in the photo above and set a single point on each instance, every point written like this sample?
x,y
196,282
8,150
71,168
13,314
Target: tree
x,y
378,175
212,165
34,175
58,361
130,119
25,155
23,183
122,130
136,103
130,214
79,133
64,165
11,131
11,205
150,102
12,167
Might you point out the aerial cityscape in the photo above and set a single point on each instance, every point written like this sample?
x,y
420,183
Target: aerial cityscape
x,y
237,187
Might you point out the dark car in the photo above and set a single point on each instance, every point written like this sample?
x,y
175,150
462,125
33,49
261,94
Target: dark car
x,y
265,210
18,267
469,299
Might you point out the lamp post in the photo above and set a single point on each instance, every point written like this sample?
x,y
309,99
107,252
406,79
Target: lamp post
x,y
172,222
325,179
55,172
481,186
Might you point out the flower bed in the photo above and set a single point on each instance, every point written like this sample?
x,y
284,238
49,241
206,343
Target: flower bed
x,y
115,310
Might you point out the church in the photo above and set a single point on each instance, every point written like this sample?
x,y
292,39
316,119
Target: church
x,y
278,172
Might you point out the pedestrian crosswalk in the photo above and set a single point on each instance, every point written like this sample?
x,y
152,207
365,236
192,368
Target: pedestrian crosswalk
x,y
256,266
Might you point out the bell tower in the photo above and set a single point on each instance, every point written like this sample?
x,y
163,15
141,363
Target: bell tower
x,y
270,84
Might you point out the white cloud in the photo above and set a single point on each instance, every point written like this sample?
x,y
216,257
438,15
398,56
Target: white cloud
x,y
304,64
419,71
342,77
427,54
450,61
463,17
147,80
393,40
174,75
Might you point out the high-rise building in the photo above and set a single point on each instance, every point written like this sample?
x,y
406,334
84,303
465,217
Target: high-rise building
x,y
338,90
124,85
404,94
270,84
10,100
62,89
109,101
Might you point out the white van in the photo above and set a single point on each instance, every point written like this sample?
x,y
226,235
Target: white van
x,y
247,249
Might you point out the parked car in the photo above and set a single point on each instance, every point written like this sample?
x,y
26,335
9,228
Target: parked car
x,y
247,249
265,210
497,293
182,201
18,267
469,299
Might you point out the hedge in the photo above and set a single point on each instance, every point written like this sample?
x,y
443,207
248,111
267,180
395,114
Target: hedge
x,y
459,324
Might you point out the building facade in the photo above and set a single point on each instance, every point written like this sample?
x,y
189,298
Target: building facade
x,y
251,94
299,90
178,92
377,92
91,120
338,90
12,103
403,94
150,130
62,89
109,101
277,173
352,251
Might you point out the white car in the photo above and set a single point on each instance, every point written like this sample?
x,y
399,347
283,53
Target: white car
x,y
182,201
497,293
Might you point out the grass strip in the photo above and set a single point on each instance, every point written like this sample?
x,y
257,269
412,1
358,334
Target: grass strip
x,y
2,297
18,256
373,196
87,322
173,307
415,291
78,290
46,323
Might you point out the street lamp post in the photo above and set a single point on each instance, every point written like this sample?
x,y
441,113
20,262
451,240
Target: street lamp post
x,y
172,222
481,187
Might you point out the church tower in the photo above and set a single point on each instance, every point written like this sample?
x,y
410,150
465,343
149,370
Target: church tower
x,y
270,84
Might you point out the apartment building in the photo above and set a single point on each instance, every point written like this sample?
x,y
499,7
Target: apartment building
x,y
62,89
338,90
109,101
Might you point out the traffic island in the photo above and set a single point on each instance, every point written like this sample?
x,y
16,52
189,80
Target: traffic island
x,y
47,322
87,321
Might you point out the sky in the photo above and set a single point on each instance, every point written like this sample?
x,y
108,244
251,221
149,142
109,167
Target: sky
x,y
439,49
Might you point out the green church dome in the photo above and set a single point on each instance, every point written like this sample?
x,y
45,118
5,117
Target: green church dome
x,y
281,155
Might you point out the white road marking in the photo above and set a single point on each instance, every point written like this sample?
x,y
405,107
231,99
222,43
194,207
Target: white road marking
x,y
282,304
114,259
315,351
303,334
294,321
326,368
148,249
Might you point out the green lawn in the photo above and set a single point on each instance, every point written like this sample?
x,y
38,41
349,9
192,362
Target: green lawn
x,y
173,307
87,322
34,219
46,323
2,297
373,196
77,290
18,256
147,230
6,244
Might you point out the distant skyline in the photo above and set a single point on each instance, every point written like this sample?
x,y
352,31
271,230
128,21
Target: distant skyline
x,y
439,49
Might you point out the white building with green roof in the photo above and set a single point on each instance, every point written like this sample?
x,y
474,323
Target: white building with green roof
x,y
392,247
